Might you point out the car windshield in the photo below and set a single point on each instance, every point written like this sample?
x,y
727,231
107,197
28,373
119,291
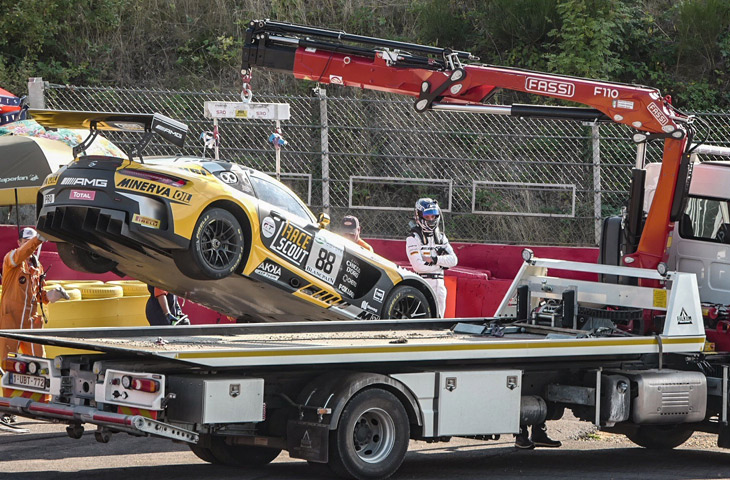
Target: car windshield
x,y
278,196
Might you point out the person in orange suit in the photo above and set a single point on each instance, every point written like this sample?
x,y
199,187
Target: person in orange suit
x,y
22,282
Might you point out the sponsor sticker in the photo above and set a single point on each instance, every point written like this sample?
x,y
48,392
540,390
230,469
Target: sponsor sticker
x,y
269,270
145,221
155,189
84,182
48,198
324,261
82,195
336,80
293,243
268,227
228,177
379,295
50,180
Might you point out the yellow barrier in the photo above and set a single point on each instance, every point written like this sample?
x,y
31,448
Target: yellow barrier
x,y
131,288
103,312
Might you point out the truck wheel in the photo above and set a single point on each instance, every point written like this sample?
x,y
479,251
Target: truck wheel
x,y
241,455
661,437
371,439
203,453
407,302
83,260
216,249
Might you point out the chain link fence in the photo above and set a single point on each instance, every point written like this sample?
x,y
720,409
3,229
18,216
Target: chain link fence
x,y
498,179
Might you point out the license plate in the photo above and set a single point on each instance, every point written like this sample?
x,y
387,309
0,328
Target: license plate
x,y
49,198
27,380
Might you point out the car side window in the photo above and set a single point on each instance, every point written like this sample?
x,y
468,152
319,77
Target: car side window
x,y
271,193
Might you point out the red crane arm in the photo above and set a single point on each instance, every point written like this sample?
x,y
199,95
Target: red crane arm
x,y
438,80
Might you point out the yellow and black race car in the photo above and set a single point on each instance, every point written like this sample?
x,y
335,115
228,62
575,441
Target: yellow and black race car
x,y
218,233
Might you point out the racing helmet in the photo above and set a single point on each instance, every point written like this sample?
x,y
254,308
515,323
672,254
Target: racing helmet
x,y
427,214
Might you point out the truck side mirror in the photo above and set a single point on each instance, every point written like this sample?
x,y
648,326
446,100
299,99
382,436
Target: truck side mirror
x,y
324,220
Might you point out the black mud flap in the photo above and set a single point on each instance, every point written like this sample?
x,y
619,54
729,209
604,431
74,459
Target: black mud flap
x,y
308,441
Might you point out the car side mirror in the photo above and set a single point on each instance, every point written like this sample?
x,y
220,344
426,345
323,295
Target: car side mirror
x,y
324,220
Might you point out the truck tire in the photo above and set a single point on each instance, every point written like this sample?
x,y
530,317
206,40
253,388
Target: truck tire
x,y
240,455
661,437
371,439
216,248
203,453
405,301
82,260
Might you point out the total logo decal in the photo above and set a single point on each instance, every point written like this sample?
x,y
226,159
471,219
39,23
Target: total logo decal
x,y
82,195
155,189
269,270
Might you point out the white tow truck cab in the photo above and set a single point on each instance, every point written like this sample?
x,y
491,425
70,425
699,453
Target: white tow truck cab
x,y
351,394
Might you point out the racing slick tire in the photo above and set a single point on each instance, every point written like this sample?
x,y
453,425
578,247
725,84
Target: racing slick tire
x,y
83,260
371,439
407,302
661,437
216,248
240,455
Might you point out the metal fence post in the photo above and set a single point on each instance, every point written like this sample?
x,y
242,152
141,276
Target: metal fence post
x,y
596,148
324,145
36,93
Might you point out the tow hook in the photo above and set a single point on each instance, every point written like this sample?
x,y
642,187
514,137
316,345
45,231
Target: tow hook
x,y
168,397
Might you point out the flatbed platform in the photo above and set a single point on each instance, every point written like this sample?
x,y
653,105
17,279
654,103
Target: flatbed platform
x,y
378,341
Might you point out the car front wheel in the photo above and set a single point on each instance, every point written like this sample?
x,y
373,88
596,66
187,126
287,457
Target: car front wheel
x,y
407,302
216,248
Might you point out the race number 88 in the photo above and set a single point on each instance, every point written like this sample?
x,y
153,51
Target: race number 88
x,y
325,261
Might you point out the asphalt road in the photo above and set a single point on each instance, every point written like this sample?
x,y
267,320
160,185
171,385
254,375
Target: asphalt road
x,y
47,453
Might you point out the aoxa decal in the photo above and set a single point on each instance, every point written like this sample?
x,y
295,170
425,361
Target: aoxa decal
x,y
155,189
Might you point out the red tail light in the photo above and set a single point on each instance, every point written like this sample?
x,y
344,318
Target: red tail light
x,y
154,177
10,365
145,385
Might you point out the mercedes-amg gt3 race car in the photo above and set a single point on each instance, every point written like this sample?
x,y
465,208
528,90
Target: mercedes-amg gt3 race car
x,y
223,235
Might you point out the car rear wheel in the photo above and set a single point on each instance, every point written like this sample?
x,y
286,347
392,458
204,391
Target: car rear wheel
x,y
83,260
407,302
216,249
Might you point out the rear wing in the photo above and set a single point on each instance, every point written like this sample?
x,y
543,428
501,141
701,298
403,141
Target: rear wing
x,y
147,123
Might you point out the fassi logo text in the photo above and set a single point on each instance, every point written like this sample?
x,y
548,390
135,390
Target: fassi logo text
x,y
550,87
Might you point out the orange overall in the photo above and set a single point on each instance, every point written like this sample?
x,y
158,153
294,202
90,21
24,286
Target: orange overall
x,y
22,290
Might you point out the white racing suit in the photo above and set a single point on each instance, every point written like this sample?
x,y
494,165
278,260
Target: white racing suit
x,y
430,255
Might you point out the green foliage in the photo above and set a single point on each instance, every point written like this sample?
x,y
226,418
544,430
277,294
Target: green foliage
x,y
681,47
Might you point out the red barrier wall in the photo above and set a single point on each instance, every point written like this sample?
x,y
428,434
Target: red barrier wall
x,y
485,271
481,279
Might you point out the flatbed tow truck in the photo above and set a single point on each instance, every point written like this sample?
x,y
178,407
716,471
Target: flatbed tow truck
x,y
351,394
626,353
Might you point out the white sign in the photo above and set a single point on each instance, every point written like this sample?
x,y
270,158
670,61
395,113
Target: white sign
x,y
251,111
